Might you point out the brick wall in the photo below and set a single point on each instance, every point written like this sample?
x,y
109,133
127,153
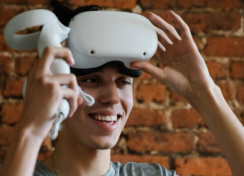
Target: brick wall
x,y
162,127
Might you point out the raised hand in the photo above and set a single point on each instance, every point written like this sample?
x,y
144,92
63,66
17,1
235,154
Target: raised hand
x,y
45,91
184,69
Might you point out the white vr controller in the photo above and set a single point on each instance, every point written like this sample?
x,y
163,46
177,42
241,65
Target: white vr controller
x,y
52,34
95,38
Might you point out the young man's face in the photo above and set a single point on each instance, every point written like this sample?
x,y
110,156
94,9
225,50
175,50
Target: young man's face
x,y
99,126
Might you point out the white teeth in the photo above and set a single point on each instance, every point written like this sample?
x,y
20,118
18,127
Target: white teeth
x,y
105,118
108,118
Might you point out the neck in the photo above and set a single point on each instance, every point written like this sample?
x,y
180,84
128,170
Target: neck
x,y
71,158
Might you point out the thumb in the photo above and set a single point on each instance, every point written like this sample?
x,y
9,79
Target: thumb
x,y
157,73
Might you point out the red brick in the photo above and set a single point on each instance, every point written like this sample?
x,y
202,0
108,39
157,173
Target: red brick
x,y
216,70
227,91
162,160
225,47
4,47
14,1
146,117
151,93
5,64
9,12
2,43
26,2
226,4
191,3
13,88
5,134
240,94
186,118
174,97
11,113
197,41
159,4
24,65
157,141
122,4
202,166
207,22
207,143
237,70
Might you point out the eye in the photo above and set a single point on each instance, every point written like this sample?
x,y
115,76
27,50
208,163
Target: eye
x,y
88,80
91,80
124,81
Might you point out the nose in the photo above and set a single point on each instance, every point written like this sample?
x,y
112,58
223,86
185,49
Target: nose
x,y
110,94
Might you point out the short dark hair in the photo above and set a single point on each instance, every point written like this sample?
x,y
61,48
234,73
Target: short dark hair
x,y
65,13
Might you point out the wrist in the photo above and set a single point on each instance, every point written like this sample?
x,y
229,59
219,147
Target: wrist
x,y
28,134
202,99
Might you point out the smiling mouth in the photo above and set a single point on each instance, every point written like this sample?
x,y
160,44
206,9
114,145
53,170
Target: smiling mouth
x,y
105,118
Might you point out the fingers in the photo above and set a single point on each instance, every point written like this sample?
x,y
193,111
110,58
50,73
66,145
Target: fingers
x,y
168,29
65,84
50,53
72,98
167,34
163,39
69,91
156,72
179,22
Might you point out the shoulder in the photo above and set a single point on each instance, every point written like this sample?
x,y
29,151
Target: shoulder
x,y
142,169
42,170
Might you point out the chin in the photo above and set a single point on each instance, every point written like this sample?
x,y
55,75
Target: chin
x,y
104,144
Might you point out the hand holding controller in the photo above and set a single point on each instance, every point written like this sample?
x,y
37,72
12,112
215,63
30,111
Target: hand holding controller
x,y
52,34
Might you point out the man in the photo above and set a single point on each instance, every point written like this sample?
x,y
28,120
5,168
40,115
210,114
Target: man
x,y
84,143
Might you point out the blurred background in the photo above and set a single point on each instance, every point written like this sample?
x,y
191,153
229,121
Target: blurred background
x,y
162,127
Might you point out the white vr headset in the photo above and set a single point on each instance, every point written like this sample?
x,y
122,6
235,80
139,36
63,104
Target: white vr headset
x,y
100,37
95,38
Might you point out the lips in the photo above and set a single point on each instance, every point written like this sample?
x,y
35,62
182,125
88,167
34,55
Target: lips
x,y
106,122
105,118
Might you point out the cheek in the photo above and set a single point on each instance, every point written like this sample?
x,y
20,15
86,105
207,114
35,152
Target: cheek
x,y
127,100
